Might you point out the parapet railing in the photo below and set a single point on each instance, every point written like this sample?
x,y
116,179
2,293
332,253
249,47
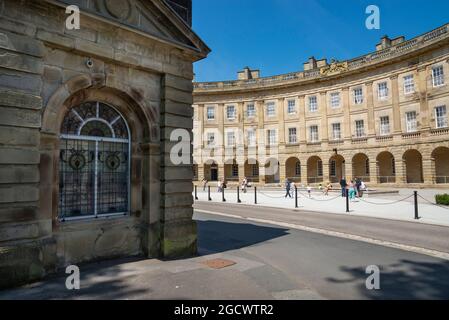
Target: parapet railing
x,y
353,64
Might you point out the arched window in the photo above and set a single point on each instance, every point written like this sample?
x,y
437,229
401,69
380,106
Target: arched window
x,y
94,166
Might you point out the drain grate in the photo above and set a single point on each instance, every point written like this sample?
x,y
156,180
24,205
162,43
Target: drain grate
x,y
218,263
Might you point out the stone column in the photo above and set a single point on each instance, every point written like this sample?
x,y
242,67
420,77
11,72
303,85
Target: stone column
x,y
396,108
281,126
176,229
428,170
302,121
326,173
425,113
240,157
370,106
282,171
401,172
220,141
200,172
374,171
347,118
261,140
323,112
304,172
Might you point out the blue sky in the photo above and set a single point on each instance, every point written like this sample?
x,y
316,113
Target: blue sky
x,y
278,36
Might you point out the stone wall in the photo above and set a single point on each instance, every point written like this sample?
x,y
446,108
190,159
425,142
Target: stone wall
x,y
44,71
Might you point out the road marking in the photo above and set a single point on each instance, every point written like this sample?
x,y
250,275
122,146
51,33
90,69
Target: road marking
x,y
428,252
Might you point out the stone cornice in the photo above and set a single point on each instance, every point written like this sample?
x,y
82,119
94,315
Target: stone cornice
x,y
337,69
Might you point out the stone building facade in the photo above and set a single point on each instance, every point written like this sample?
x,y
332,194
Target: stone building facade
x,y
382,117
85,123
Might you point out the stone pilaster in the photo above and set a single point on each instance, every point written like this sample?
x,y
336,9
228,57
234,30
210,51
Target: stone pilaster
x,y
396,108
323,112
370,106
347,118
424,111
302,120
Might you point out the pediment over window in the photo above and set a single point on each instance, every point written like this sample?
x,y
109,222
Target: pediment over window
x,y
153,17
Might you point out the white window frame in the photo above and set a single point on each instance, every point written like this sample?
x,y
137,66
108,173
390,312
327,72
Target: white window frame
x,y
441,120
251,138
360,129
335,98
292,137
291,106
271,137
384,126
229,115
409,84
438,79
313,104
230,139
210,108
210,142
358,97
382,91
314,134
251,114
335,136
271,109
411,125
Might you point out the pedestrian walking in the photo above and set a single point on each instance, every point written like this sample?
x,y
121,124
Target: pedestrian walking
x,y
344,186
309,191
287,189
205,182
327,188
352,190
362,188
244,185
358,184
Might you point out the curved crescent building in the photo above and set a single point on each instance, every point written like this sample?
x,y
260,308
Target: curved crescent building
x,y
382,117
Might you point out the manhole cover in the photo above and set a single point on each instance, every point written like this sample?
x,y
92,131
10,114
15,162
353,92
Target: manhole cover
x,y
218,263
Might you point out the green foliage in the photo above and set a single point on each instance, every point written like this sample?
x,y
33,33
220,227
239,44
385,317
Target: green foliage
x,y
442,199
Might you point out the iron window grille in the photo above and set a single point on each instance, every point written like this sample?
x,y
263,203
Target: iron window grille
x,y
94,166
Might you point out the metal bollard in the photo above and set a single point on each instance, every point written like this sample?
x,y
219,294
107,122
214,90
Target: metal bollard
x,y
238,195
223,195
416,205
296,197
196,192
347,200
208,194
255,195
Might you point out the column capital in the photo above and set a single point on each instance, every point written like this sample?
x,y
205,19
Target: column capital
x,y
394,77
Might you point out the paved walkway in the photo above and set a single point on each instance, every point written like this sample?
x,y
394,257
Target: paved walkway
x,y
397,206
271,262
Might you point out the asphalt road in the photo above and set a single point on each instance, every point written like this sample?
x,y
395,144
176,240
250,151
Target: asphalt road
x,y
271,262
420,235
334,268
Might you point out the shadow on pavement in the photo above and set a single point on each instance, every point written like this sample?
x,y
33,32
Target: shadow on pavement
x,y
218,236
407,280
